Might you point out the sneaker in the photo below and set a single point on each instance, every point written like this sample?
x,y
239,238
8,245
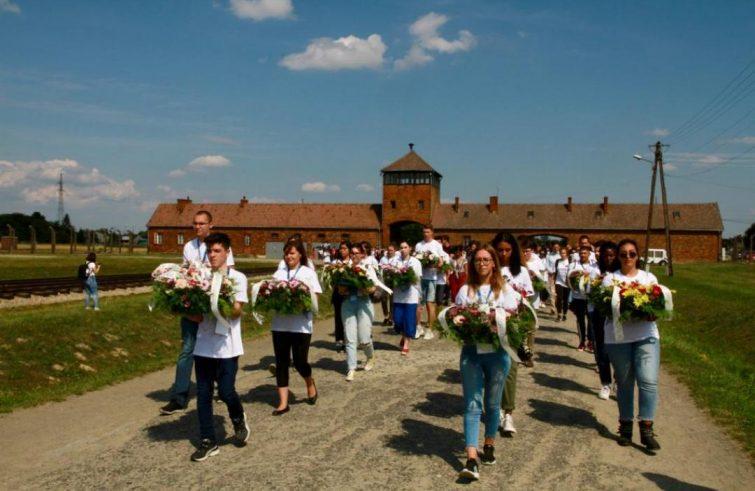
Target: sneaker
x,y
508,424
87,308
420,332
605,392
96,309
428,334
206,449
340,347
470,470
241,430
350,375
370,364
171,408
488,455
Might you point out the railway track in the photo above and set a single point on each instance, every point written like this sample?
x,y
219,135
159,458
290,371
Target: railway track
x,y
46,287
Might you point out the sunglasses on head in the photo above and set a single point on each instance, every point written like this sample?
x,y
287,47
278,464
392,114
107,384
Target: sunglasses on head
x,y
625,255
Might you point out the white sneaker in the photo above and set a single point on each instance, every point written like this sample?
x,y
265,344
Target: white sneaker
x,y
429,334
87,308
370,364
350,375
420,332
508,424
97,309
605,392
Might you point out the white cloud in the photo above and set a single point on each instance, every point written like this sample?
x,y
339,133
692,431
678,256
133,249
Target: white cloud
x,y
10,7
658,132
345,53
258,10
522,34
223,140
177,173
264,199
209,161
427,38
36,182
320,187
749,140
667,166
365,188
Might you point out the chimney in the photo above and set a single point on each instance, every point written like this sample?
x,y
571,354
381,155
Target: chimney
x,y
243,202
456,204
604,206
411,147
568,204
493,206
181,203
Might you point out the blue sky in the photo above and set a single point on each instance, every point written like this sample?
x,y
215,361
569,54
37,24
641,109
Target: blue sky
x,y
282,100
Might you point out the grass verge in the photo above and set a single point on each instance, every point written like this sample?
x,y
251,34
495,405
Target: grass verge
x,y
709,344
50,352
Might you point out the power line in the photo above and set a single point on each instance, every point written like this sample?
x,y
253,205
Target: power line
x,y
701,181
743,118
720,164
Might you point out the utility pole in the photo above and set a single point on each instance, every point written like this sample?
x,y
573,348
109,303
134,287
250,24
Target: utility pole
x,y
650,211
658,168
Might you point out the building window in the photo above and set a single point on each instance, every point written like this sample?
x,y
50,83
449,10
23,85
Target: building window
x,y
157,238
345,236
393,204
320,236
677,214
466,213
421,204
247,240
180,239
274,235
467,240
530,214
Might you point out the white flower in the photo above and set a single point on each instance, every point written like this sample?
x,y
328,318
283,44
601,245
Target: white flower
x,y
181,283
458,320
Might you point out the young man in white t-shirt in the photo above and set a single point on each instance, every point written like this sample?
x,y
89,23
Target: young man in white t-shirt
x,y
386,301
194,251
429,280
216,355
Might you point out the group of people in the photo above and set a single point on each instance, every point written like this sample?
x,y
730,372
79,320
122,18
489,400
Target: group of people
x,y
499,274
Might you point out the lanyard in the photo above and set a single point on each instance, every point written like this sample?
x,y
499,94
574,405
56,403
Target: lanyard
x,y
202,257
288,273
479,296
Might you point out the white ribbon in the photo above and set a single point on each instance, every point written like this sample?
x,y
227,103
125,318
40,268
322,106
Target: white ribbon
x,y
222,327
583,279
500,320
618,326
372,275
669,301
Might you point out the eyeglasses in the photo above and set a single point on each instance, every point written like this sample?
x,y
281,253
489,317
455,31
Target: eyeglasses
x,y
625,255
483,261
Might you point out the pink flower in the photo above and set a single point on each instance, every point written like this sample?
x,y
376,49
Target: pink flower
x,y
459,320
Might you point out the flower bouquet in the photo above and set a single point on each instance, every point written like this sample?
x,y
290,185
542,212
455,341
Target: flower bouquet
x,y
638,302
427,259
576,283
399,277
186,290
519,324
352,276
600,297
476,324
283,297
446,267
538,285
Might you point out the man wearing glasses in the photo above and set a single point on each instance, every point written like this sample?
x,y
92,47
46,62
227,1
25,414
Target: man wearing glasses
x,y
195,250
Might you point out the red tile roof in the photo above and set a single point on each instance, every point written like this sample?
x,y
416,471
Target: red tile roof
x,y
272,215
620,216
411,162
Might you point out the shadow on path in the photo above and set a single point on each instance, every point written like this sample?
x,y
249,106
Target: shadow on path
x,y
557,414
557,329
668,483
562,360
338,366
559,383
441,405
450,376
186,427
264,362
552,342
421,438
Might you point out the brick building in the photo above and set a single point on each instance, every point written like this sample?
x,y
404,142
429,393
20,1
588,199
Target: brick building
x,y
411,194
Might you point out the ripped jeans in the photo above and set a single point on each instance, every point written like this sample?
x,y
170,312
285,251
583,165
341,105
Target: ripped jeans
x,y
482,379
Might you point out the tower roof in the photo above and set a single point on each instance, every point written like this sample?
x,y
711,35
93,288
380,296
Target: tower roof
x,y
410,162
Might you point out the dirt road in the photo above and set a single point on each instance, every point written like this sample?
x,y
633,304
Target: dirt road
x,y
397,427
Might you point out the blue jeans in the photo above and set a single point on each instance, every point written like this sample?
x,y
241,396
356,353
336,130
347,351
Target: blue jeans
x,y
639,361
482,379
223,371
357,314
179,392
90,291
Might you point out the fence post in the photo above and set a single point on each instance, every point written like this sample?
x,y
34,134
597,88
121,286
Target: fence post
x,y
72,248
52,240
32,240
130,242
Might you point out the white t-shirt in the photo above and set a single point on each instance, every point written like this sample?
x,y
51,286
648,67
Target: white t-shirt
x,y
410,294
436,248
576,267
441,277
537,266
562,269
508,298
282,264
550,261
211,345
521,282
633,331
196,250
300,322
91,268
386,259
593,260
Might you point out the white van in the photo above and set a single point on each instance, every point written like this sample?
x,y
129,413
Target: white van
x,y
657,256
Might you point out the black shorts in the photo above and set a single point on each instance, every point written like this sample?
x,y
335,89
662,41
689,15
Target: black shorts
x,y
441,292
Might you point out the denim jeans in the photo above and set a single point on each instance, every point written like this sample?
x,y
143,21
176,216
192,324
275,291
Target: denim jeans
x,y
223,372
357,314
482,379
639,361
179,392
90,292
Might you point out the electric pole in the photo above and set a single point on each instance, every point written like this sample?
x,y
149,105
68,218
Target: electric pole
x,y
658,168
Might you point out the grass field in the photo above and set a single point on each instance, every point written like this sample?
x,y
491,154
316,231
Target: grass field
x,y
26,266
710,344
50,352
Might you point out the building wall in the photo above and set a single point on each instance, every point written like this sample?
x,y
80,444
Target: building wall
x,y
687,246
258,238
407,197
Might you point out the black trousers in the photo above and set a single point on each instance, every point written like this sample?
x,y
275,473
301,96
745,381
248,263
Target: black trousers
x,y
580,310
211,371
562,299
337,300
286,345
601,355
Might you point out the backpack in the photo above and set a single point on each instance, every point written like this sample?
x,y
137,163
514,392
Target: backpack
x,y
82,272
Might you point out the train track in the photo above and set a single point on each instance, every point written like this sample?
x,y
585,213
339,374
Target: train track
x,y
46,287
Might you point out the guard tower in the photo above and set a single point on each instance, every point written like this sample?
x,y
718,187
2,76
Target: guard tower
x,y
411,191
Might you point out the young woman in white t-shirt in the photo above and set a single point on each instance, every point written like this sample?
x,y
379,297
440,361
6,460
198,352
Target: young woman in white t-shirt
x,y
293,333
636,358
405,300
561,268
342,256
90,284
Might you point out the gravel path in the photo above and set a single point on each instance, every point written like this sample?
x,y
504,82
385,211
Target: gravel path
x,y
397,427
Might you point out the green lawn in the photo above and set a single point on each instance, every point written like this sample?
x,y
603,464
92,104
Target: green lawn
x,y
52,351
25,266
710,344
